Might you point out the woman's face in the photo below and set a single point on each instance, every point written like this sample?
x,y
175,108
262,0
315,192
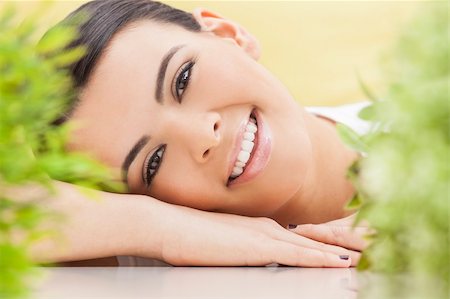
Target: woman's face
x,y
169,111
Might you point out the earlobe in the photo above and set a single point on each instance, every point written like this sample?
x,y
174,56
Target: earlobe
x,y
227,29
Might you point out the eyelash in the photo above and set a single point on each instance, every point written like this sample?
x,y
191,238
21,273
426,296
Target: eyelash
x,y
150,170
185,69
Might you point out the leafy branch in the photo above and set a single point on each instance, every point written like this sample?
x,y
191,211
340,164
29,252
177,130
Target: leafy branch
x,y
35,89
403,178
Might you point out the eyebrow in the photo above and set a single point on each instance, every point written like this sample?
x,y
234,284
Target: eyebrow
x,y
138,146
162,72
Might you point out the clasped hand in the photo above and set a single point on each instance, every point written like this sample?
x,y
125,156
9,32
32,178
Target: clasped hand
x,y
212,239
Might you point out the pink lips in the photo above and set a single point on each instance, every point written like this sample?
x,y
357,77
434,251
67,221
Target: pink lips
x,y
260,154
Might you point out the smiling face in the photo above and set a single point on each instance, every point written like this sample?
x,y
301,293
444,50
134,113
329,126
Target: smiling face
x,y
182,132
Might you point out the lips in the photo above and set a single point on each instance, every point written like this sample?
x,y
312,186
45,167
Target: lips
x,y
248,161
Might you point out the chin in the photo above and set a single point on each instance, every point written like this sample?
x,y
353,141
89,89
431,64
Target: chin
x,y
277,187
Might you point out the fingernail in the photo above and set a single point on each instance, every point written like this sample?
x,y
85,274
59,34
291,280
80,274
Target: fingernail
x,y
292,226
344,257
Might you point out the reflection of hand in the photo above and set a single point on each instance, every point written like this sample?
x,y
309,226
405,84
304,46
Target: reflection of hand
x,y
338,232
193,237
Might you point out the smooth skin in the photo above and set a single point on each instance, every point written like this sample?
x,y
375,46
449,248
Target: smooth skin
x,y
124,224
118,107
304,179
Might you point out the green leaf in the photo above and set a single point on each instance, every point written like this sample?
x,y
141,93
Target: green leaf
x,y
364,263
56,39
367,113
354,203
366,90
351,138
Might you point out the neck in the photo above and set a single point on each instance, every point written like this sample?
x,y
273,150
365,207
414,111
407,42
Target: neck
x,y
325,190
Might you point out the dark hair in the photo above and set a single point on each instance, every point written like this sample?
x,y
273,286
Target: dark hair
x,y
102,19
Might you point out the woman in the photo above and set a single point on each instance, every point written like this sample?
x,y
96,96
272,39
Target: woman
x,y
179,107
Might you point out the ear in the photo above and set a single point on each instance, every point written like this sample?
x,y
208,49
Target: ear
x,y
227,29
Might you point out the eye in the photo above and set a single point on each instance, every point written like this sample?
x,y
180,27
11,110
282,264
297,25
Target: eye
x,y
182,79
152,164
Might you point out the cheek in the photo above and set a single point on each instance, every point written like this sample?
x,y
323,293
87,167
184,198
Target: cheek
x,y
227,78
181,183
291,162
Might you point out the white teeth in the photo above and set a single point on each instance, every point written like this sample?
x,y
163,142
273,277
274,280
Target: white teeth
x,y
251,127
237,171
249,136
239,164
247,146
243,156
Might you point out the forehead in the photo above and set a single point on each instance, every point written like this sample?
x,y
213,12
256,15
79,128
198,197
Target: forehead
x,y
115,104
152,35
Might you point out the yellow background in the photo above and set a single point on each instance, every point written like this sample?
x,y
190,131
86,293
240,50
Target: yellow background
x,y
314,47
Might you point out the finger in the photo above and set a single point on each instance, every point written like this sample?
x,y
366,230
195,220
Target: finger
x,y
305,241
289,254
355,256
348,221
344,236
299,240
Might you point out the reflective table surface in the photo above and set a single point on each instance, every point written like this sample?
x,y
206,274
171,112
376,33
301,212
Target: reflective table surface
x,y
197,282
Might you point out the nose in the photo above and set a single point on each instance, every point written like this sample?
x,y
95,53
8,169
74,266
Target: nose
x,y
204,136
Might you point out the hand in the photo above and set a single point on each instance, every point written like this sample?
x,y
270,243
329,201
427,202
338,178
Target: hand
x,y
198,238
340,233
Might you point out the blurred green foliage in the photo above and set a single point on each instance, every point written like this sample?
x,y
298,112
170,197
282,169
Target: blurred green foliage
x,y
35,89
403,182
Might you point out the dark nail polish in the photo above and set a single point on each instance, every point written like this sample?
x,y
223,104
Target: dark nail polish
x,y
344,257
292,226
